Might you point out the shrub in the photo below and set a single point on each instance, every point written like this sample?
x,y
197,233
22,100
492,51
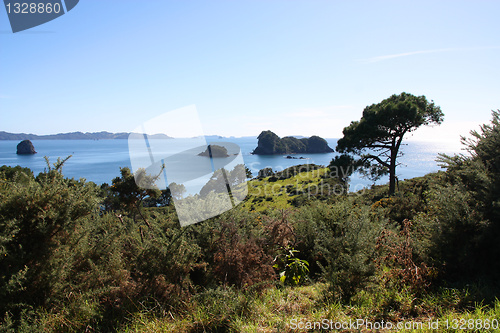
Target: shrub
x,y
66,265
240,260
342,239
293,271
400,264
37,216
468,209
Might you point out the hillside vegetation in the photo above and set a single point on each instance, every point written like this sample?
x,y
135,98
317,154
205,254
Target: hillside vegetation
x,y
78,257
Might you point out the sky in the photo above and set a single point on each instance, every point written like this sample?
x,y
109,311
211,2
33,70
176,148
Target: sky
x,y
294,67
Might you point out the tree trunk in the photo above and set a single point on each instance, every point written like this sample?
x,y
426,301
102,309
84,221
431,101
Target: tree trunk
x,y
392,171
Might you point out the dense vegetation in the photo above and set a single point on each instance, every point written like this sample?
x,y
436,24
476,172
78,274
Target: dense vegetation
x,y
78,257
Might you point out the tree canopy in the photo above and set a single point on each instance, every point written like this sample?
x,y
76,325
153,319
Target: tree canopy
x,y
377,136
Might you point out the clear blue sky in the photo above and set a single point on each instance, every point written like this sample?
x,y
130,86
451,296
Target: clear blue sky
x,y
294,67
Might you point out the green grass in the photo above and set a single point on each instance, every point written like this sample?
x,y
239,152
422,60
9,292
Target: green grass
x,y
264,194
288,309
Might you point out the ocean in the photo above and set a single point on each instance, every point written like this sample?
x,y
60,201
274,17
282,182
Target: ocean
x,y
100,160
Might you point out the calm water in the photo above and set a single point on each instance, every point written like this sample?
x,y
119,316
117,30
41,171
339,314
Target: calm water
x,y
100,161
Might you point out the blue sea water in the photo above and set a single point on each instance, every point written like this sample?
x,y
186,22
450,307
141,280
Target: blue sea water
x,y
100,160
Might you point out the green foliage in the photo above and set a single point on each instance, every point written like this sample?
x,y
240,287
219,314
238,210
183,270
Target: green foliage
x,y
389,119
316,144
248,173
128,191
9,173
378,135
221,178
79,267
214,310
341,168
293,270
467,209
341,238
407,203
36,217
480,171
289,144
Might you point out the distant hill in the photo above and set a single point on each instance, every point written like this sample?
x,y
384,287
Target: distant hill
x,y
74,136
271,144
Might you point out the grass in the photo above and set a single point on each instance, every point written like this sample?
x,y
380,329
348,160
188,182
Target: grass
x,y
231,310
267,193
292,309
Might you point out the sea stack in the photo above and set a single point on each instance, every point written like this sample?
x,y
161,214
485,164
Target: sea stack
x,y
271,144
214,151
25,147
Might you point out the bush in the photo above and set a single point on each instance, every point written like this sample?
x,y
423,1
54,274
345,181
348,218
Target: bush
x,y
66,265
400,266
240,260
342,239
467,208
36,217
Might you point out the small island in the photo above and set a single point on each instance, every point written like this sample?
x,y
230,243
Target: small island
x,y
25,147
214,151
271,144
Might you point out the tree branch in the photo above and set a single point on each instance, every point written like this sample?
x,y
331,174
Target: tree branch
x,y
376,158
379,146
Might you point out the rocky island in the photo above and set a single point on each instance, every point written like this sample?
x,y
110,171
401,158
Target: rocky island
x,y
271,144
25,147
214,151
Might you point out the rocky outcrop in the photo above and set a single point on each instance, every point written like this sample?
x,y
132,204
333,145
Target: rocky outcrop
x,y
214,151
25,147
271,144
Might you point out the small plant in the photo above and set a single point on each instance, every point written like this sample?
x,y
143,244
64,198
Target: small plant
x,y
294,271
